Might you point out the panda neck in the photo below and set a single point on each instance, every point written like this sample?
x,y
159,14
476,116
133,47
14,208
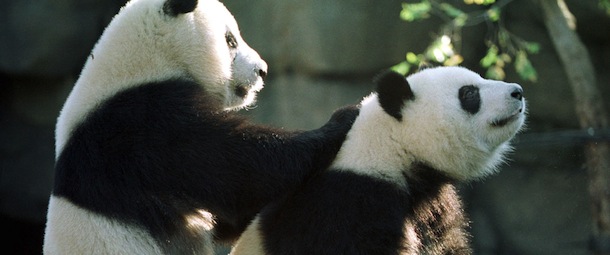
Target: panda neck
x,y
394,166
371,155
122,60
361,155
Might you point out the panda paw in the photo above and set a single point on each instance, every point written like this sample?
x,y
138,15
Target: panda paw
x,y
342,119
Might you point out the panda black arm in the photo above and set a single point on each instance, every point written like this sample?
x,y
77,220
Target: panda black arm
x,y
321,144
279,161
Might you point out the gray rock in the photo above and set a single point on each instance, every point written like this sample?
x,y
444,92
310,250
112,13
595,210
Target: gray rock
x,y
48,37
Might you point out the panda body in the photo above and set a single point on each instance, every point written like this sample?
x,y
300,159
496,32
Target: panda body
x,y
391,188
150,156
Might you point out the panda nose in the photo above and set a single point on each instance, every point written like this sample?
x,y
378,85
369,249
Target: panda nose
x,y
262,73
517,94
261,70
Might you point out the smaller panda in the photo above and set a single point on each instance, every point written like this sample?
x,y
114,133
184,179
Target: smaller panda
x,y
390,189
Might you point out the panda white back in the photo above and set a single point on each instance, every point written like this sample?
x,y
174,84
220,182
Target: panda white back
x,y
390,189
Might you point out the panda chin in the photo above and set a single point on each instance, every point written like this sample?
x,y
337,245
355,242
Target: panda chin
x,y
243,95
242,91
501,122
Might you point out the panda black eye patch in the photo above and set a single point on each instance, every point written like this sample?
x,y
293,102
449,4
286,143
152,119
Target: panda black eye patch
x,y
231,41
470,99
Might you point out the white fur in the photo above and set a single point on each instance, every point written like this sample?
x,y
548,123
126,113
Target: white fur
x,y
434,130
143,45
103,236
72,230
250,242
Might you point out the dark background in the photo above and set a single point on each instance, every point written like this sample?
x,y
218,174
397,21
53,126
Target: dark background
x,y
322,54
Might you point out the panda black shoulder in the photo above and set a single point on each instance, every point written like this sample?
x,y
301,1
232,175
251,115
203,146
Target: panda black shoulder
x,y
134,123
163,97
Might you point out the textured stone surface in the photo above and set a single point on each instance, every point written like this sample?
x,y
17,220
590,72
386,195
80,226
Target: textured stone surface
x,y
300,102
536,206
49,37
327,37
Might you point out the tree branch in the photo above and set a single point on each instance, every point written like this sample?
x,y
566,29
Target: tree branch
x,y
590,111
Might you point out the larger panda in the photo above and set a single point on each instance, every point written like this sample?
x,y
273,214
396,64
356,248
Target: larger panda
x,y
390,189
150,159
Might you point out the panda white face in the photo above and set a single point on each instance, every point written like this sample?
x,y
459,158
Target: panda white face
x,y
211,25
447,117
487,112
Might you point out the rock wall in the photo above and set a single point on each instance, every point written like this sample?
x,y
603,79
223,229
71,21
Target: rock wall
x,y
322,55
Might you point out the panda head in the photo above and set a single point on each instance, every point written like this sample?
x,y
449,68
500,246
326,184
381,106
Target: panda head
x,y
154,40
150,41
448,118
206,28
207,43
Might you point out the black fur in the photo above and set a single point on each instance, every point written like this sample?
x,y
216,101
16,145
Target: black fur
x,y
393,91
470,99
340,212
176,7
157,152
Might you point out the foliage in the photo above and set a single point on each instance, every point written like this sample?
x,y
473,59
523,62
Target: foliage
x,y
605,4
503,47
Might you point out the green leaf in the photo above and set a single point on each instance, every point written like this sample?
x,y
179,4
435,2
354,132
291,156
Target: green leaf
x,y
460,21
454,60
493,14
532,47
402,68
495,73
480,2
491,57
524,67
503,39
605,5
412,58
505,58
416,11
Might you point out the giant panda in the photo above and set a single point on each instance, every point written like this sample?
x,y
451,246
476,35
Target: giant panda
x,y
151,157
391,188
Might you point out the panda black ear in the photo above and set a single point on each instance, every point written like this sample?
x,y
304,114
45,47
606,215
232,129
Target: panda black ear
x,y
176,7
393,91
